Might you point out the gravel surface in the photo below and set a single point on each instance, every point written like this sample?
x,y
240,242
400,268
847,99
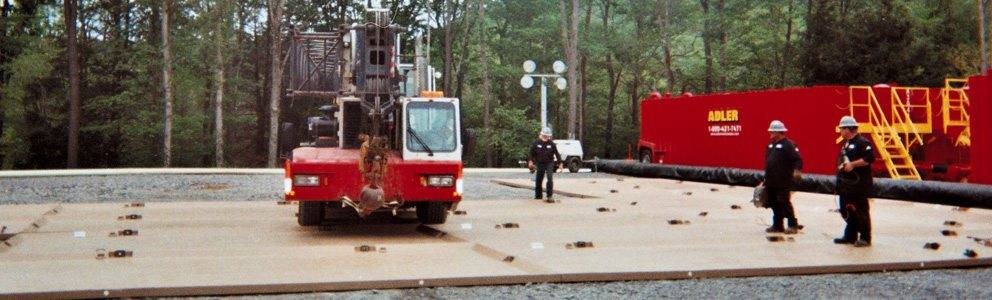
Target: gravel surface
x,y
968,283
148,188
169,188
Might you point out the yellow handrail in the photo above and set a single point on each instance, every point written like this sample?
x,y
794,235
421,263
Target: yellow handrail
x,y
903,120
885,134
955,109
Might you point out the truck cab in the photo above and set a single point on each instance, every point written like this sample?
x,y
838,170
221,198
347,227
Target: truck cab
x,y
431,128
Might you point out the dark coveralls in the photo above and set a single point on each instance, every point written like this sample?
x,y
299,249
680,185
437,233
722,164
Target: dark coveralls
x,y
543,154
781,160
853,188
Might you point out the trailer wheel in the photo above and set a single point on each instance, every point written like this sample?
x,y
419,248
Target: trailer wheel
x,y
432,212
574,164
311,213
646,156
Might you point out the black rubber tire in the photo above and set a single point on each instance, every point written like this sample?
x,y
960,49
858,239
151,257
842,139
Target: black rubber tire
x,y
646,157
432,212
311,213
574,165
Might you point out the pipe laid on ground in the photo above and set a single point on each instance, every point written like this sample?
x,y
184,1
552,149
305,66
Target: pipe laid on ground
x,y
935,192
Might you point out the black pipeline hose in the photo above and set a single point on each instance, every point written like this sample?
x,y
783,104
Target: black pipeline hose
x,y
935,192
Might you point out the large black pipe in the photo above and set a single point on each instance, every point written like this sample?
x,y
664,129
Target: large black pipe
x,y
946,193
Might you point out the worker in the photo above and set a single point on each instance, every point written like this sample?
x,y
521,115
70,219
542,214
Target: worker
x,y
544,157
854,182
782,171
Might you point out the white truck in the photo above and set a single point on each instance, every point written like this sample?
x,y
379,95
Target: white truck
x,y
571,153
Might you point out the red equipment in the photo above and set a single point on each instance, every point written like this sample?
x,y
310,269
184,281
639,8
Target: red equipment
x,y
381,144
930,127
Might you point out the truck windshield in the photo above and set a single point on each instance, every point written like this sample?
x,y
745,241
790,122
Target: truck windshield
x,y
433,123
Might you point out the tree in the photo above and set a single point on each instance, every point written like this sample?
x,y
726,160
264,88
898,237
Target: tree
x,y
275,92
167,83
983,34
129,64
72,54
570,35
665,25
219,36
486,80
614,75
707,45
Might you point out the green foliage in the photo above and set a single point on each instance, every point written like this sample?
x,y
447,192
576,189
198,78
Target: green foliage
x,y
842,42
26,71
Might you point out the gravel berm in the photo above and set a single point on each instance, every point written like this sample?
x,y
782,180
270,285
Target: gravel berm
x,y
930,284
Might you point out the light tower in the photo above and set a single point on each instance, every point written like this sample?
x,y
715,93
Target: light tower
x,y
527,81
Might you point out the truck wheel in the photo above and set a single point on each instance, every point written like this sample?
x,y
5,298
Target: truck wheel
x,y
574,164
646,156
432,212
311,213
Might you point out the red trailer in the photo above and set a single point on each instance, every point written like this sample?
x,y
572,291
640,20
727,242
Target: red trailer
x,y
921,133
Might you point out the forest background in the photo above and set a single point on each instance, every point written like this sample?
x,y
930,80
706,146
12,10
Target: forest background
x,y
89,83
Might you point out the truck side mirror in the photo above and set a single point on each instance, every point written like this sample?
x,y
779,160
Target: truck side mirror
x,y
468,141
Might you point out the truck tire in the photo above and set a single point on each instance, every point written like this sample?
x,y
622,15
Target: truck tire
x,y
646,156
432,212
311,213
574,165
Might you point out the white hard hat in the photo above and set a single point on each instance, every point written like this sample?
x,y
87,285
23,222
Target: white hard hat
x,y
546,131
847,121
777,126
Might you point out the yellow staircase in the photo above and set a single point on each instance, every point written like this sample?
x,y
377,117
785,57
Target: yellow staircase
x,y
893,138
955,110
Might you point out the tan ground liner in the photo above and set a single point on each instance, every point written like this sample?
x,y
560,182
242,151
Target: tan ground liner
x,y
211,248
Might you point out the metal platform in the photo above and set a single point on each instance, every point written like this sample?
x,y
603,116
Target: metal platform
x,y
624,229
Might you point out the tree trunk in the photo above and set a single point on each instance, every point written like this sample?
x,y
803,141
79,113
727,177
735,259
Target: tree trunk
x,y
722,52
461,66
584,58
219,87
167,83
572,55
275,92
666,44
983,34
72,160
486,81
636,74
614,76
707,46
787,52
570,36
448,40
611,100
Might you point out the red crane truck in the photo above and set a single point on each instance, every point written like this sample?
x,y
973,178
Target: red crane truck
x,y
379,143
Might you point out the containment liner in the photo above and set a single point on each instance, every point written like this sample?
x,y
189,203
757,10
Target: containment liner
x,y
499,280
256,247
935,192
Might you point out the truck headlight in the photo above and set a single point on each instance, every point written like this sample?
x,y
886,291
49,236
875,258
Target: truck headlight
x,y
441,181
306,180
